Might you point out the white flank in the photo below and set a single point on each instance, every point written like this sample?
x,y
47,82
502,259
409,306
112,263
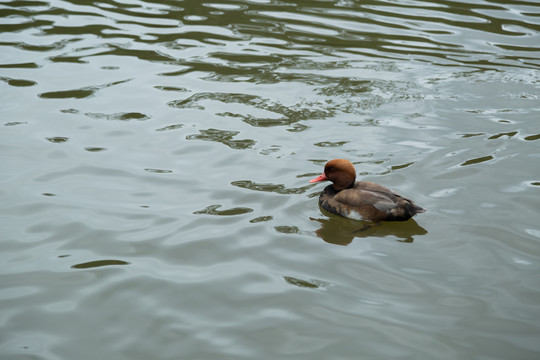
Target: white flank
x,y
355,215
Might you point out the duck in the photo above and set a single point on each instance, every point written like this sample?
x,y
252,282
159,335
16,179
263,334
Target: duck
x,y
361,200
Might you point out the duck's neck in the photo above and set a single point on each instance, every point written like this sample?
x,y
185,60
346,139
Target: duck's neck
x,y
339,188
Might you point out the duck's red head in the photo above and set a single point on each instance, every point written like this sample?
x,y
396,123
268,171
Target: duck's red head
x,y
340,172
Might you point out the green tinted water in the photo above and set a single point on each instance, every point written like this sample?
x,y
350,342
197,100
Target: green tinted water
x,y
155,165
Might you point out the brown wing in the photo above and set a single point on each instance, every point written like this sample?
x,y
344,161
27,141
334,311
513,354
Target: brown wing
x,y
371,186
356,197
393,196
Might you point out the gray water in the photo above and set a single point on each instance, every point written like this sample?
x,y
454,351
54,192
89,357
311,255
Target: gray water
x,y
155,165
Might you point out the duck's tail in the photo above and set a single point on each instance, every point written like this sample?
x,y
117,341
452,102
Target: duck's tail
x,y
418,209
405,211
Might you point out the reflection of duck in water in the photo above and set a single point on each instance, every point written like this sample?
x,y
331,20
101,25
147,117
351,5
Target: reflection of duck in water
x,y
361,200
341,231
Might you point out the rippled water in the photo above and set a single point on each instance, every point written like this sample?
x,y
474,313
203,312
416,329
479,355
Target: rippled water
x,y
155,165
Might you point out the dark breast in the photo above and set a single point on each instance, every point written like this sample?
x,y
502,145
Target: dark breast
x,y
368,201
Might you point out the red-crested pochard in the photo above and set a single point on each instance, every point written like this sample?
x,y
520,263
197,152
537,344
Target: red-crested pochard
x,y
361,200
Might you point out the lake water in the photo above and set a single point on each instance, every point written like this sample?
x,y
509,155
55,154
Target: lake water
x,y
155,165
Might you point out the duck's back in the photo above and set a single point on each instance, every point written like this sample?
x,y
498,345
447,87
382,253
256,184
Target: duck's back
x,y
368,201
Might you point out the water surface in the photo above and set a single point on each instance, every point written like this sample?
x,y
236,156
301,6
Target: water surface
x,y
155,165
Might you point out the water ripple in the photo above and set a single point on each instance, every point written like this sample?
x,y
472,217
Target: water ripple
x,y
156,157
432,32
